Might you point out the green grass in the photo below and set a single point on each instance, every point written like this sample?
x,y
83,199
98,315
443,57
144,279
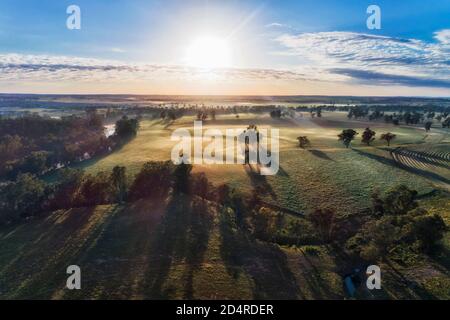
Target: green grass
x,y
143,251
327,175
155,250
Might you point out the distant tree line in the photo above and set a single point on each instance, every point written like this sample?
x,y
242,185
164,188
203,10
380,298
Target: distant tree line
x,y
408,115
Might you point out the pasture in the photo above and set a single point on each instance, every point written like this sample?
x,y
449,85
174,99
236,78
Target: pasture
x,y
325,175
187,248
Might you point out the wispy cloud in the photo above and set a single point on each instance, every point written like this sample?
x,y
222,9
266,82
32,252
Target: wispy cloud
x,y
275,25
374,59
443,36
21,67
337,57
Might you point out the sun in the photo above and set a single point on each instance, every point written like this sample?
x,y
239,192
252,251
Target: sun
x,y
209,52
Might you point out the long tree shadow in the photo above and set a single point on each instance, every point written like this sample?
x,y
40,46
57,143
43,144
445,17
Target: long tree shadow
x,y
66,238
259,182
393,163
320,154
197,242
168,245
442,257
407,288
181,238
115,263
264,263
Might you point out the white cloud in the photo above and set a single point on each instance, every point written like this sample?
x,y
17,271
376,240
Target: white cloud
x,y
371,58
341,57
275,25
443,36
21,67
117,50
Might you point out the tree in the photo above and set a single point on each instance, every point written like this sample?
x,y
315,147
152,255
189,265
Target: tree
x,y
200,185
377,204
261,223
428,231
95,190
374,240
119,181
36,162
126,128
347,136
66,190
382,235
428,125
181,176
21,198
154,181
223,194
446,123
276,114
388,137
303,142
368,136
400,200
323,220
10,146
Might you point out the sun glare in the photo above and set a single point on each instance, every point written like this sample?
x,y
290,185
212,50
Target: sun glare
x,y
209,52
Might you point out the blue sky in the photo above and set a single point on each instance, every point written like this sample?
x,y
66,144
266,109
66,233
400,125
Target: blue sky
x,y
285,47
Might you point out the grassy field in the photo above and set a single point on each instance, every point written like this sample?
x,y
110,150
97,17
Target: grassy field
x,y
183,249
190,248
142,251
326,175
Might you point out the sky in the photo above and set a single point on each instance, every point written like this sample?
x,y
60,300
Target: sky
x,y
245,47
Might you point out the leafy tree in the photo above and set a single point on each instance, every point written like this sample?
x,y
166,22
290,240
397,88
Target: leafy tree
x,y
368,136
276,114
152,181
303,142
400,200
95,190
323,220
10,147
446,123
181,176
200,185
36,162
374,240
388,137
126,128
428,230
347,136
264,224
119,181
21,198
260,223
428,125
223,194
66,190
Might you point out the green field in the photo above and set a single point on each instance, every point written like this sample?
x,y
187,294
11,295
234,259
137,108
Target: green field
x,y
188,248
326,175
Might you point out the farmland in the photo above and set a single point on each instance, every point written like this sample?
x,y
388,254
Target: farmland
x,y
186,247
327,174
